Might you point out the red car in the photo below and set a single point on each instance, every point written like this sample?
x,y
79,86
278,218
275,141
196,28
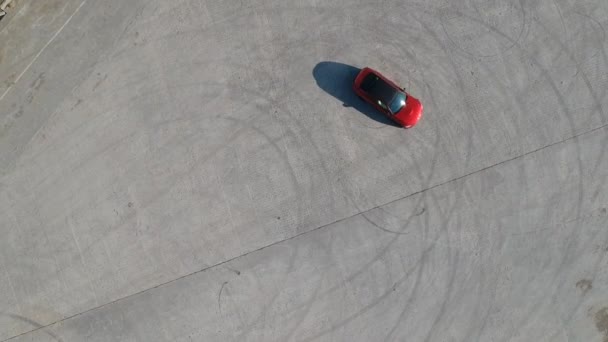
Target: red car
x,y
388,97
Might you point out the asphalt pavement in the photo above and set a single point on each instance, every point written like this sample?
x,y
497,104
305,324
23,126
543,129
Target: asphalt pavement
x,y
200,170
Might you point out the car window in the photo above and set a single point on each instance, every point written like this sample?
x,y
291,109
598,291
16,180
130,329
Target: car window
x,y
381,104
378,89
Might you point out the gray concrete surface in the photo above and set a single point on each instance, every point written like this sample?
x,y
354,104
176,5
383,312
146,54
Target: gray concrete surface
x,y
199,171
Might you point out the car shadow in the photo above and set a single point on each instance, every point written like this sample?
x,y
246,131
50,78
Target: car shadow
x,y
337,79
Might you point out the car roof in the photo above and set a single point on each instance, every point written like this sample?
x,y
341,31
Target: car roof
x,y
378,88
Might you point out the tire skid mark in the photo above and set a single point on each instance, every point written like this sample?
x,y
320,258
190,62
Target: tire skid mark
x,y
362,270
447,217
513,42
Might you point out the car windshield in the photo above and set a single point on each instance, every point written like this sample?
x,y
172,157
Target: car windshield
x,y
398,102
380,90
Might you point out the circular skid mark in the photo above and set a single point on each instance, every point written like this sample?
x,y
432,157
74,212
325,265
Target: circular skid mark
x,y
587,34
477,40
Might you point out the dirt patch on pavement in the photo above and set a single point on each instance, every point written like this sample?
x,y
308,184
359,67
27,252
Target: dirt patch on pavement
x,y
601,322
